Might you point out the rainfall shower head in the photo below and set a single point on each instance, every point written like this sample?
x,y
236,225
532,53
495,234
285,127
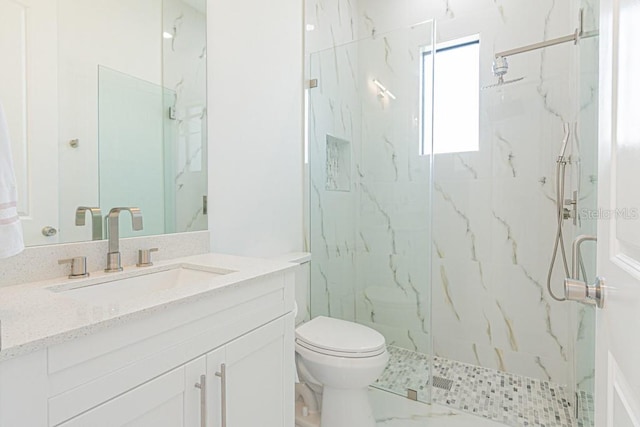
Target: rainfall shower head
x,y
500,68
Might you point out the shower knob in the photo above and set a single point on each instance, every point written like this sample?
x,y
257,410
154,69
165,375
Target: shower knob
x,y
579,291
575,290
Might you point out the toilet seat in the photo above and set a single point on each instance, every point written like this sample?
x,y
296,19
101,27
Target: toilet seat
x,y
339,338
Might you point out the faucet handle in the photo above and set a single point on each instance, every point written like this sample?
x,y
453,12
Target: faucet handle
x,y
78,266
144,257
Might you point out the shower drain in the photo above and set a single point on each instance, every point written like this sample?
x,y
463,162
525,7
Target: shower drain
x,y
438,382
442,383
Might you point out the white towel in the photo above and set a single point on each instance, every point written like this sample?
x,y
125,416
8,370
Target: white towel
x,y
11,240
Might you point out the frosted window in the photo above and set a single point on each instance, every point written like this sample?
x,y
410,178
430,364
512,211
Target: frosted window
x,y
456,98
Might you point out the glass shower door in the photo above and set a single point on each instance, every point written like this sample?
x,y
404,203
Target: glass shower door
x,y
584,317
370,196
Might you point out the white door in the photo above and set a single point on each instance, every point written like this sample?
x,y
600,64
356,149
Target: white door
x,y
618,323
29,95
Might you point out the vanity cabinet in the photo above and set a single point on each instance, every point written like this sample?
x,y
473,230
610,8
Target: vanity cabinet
x,y
252,377
149,370
242,383
167,401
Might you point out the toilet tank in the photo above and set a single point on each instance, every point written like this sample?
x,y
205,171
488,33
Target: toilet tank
x,y
303,280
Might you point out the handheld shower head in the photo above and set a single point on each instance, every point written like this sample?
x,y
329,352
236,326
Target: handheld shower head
x,y
565,141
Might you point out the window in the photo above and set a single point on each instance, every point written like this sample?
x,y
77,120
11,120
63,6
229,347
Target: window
x,y
456,97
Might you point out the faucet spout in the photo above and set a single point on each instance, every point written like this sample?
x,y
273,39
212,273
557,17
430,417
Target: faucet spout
x,y
96,220
113,257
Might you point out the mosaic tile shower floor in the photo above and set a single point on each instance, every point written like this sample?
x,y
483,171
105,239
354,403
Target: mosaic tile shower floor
x,y
507,398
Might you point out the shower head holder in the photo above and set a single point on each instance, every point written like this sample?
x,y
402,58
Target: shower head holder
x,y
500,66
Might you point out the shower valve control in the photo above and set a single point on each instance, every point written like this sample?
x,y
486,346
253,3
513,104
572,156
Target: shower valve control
x,y
572,210
577,290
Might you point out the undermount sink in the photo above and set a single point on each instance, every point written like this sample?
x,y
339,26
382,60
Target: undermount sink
x,y
110,290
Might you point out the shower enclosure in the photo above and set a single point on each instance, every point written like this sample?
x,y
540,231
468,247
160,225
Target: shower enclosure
x,y
432,210
370,189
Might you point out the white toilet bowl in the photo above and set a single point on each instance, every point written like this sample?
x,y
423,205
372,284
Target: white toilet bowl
x,y
344,358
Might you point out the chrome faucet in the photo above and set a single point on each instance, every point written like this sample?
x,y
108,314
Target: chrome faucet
x,y
113,257
96,220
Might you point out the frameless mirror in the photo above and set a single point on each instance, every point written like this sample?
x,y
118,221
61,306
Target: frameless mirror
x,y
106,106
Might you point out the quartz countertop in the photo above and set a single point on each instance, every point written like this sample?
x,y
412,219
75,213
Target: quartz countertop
x,y
36,315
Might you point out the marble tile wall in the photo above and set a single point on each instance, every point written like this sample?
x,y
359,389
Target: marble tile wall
x,y
334,112
184,75
369,250
492,211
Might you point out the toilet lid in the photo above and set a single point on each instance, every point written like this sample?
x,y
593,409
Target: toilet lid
x,y
339,337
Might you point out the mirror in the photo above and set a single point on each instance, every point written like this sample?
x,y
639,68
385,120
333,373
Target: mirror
x,y
106,106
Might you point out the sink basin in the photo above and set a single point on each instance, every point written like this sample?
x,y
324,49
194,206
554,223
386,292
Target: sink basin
x,y
110,290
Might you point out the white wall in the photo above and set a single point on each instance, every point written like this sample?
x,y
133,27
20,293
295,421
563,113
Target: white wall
x,y
255,87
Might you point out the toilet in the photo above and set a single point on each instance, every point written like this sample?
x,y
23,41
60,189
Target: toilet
x,y
336,361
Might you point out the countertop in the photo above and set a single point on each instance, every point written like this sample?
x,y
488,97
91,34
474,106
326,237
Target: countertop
x,y
33,316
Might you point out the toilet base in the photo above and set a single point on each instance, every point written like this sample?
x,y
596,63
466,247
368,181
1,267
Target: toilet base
x,y
311,420
346,408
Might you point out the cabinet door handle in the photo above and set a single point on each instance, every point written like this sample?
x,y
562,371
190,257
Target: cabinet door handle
x,y
223,385
202,385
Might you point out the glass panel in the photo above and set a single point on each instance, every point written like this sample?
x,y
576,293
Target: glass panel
x,y
184,74
494,226
370,196
131,116
152,138
583,324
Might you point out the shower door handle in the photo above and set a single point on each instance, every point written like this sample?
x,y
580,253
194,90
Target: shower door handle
x,y
579,291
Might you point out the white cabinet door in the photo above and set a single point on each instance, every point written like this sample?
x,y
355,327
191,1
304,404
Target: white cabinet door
x,y
256,388
618,323
171,400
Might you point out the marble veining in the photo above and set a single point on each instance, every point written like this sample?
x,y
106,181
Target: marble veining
x,y
327,291
547,307
448,12
509,324
175,28
507,151
498,5
543,91
447,292
321,219
472,236
544,369
394,156
510,238
467,166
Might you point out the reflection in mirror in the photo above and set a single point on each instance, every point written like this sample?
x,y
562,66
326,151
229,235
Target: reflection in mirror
x,y
123,86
